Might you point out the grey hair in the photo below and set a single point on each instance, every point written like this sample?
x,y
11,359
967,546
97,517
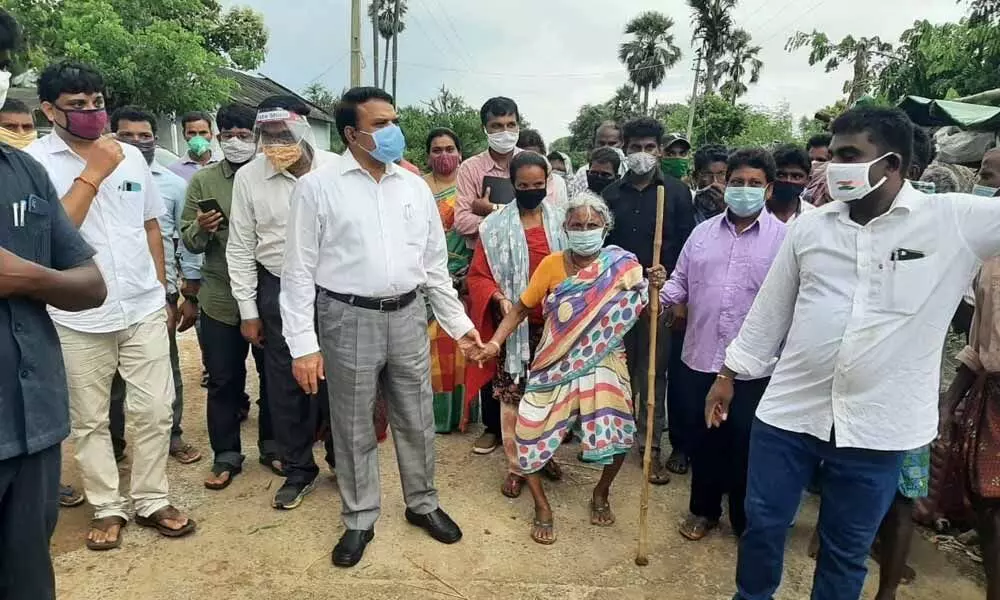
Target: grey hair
x,y
593,203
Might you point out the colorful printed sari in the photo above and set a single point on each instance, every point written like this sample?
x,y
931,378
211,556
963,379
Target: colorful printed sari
x,y
579,378
447,363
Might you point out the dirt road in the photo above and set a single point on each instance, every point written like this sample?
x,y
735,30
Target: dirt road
x,y
245,549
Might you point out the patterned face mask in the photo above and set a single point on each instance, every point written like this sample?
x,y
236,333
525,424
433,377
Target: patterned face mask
x,y
283,156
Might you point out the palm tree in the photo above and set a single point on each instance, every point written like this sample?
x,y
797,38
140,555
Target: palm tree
x,y
383,15
740,56
650,53
373,15
713,26
862,53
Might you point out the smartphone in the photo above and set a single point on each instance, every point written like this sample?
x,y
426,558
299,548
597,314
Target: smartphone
x,y
501,189
210,204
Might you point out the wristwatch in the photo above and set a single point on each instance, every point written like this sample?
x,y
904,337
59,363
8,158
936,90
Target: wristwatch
x,y
172,298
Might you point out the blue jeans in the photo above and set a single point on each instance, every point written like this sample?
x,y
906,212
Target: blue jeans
x,y
858,487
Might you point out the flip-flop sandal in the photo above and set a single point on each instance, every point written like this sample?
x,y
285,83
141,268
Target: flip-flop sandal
x,y
601,511
545,526
70,498
104,524
658,474
268,461
512,486
678,463
186,454
696,528
552,471
217,470
155,521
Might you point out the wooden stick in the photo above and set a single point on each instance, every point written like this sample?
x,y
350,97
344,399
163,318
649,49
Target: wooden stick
x,y
641,558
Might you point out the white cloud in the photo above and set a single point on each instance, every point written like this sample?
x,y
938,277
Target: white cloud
x,y
553,56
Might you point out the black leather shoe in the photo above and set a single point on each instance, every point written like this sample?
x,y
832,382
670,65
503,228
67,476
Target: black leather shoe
x,y
437,524
351,547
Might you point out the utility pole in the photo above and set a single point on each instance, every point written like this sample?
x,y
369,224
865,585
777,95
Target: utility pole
x,y
395,47
693,105
373,14
355,43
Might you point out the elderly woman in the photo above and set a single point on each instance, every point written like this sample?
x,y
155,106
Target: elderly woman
x,y
590,297
512,243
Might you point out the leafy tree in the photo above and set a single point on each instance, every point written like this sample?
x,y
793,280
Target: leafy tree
x,y
713,25
985,11
383,13
766,127
650,52
741,57
584,126
445,110
164,55
321,96
863,54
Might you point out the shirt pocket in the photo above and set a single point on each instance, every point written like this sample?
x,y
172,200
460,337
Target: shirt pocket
x,y
909,284
32,232
416,228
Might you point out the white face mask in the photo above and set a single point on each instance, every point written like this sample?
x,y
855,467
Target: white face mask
x,y
238,151
503,142
852,181
4,86
641,163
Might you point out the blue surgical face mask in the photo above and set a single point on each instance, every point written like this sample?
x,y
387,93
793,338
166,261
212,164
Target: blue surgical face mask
x,y
745,201
585,243
389,144
985,191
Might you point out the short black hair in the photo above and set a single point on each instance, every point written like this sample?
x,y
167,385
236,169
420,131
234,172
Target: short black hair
x,y
134,114
15,106
820,140
642,127
286,101
924,149
68,77
346,114
791,155
606,155
442,131
530,138
708,154
10,33
194,116
235,116
888,128
757,158
499,106
527,159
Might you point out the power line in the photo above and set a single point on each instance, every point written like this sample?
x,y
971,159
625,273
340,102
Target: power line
x,y
781,30
432,39
455,42
332,66
527,75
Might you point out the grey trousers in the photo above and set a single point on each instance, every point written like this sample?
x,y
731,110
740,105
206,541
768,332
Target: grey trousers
x,y
360,349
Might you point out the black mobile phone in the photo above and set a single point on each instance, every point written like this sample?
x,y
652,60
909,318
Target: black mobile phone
x,y
210,204
501,189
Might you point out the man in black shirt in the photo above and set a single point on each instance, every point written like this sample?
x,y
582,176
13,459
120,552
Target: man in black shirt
x,y
43,261
633,202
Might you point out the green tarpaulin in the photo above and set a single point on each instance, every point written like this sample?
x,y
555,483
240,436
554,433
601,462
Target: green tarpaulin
x,y
938,113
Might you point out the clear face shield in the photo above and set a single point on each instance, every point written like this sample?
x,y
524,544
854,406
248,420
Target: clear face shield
x,y
284,138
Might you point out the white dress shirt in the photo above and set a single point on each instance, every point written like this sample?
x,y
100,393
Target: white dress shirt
x,y
352,235
259,215
865,332
115,227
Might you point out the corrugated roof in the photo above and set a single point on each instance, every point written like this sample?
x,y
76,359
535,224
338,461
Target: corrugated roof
x,y
255,88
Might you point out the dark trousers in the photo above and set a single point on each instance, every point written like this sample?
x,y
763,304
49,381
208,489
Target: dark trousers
x,y
685,409
637,353
858,488
295,415
29,508
226,356
719,462
490,408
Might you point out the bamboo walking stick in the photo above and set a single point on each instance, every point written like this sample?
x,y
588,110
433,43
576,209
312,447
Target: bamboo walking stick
x,y
654,319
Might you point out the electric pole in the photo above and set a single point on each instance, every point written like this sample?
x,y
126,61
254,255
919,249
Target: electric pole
x,y
692,106
355,43
395,47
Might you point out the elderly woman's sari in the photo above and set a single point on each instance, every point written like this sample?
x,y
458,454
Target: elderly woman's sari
x,y
579,377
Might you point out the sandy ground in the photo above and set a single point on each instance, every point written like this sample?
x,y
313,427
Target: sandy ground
x,y
246,549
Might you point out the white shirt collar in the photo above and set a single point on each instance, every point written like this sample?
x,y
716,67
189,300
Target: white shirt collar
x,y
348,163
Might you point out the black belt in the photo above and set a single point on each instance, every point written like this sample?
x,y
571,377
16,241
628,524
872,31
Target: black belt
x,y
390,304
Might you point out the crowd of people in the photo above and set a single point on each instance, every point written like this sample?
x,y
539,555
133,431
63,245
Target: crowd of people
x,y
807,292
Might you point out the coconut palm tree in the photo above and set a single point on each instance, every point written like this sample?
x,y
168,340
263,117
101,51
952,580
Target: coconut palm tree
x,y
713,25
650,52
383,15
374,10
862,53
741,57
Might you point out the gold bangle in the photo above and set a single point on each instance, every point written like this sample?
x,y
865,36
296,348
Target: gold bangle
x,y
86,181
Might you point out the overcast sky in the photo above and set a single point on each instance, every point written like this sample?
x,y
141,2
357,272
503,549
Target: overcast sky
x,y
552,56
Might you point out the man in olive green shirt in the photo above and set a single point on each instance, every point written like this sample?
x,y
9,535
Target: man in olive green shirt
x,y
224,348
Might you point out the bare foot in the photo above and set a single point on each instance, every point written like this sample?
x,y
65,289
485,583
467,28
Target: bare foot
x,y
600,511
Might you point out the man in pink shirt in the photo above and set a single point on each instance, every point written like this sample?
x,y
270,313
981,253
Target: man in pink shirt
x,y
718,274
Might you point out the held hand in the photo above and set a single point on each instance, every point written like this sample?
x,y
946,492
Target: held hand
x,y
308,372
483,206
104,157
190,287
490,351
171,318
188,316
717,402
209,222
657,276
253,331
471,345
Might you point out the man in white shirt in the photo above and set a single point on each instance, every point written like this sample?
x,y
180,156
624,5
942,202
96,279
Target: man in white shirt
x,y
117,216
261,195
860,295
367,234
